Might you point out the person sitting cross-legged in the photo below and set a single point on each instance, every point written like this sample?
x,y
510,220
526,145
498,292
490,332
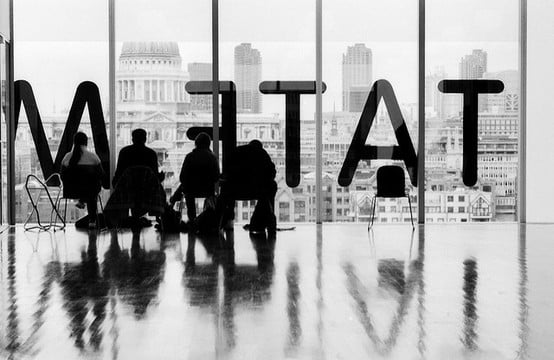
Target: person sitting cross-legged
x,y
199,175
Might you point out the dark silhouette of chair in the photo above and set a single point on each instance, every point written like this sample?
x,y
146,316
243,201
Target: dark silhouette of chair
x,y
139,190
81,182
195,194
391,183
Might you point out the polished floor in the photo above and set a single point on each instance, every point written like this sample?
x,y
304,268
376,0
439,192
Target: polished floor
x,y
317,292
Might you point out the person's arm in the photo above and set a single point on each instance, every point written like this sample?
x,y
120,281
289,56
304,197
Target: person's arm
x,y
99,169
269,165
154,165
184,170
64,165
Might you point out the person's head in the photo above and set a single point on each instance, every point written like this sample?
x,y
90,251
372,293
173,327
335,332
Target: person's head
x,y
139,136
80,139
202,141
257,144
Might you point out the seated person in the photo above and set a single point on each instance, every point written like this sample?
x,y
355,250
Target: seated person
x,y
137,182
251,177
199,175
137,154
81,173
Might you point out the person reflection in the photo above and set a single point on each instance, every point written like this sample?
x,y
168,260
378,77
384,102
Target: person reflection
x,y
243,285
82,285
200,280
136,277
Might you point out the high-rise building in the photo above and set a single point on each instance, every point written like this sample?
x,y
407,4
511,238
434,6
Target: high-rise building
x,y
356,77
474,65
248,75
200,72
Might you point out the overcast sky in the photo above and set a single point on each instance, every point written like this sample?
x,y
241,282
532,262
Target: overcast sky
x,y
58,51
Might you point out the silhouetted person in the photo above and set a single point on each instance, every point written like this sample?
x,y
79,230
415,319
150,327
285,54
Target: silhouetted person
x,y
137,154
82,173
199,175
85,297
251,176
137,183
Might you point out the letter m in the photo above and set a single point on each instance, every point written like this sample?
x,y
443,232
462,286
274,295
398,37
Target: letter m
x,y
87,93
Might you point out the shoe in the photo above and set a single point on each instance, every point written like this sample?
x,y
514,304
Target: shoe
x,y
80,205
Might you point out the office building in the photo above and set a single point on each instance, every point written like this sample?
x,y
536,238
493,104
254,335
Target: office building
x,y
248,75
357,78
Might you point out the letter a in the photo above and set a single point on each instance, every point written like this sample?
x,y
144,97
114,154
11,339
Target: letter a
x,y
358,150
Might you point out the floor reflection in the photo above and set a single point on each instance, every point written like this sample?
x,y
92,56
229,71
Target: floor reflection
x,y
469,334
391,275
221,284
319,292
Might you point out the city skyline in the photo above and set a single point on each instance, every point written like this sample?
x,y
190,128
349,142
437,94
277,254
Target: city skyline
x,y
95,55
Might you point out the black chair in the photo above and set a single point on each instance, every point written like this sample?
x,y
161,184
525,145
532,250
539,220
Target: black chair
x,y
81,181
391,183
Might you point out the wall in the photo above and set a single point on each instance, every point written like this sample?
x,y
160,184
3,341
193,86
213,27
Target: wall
x,y
540,111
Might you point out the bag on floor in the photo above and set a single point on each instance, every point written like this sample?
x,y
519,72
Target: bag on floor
x,y
207,222
169,221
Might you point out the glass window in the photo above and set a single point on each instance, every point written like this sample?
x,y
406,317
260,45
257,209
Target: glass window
x,y
485,50
55,53
256,46
362,43
178,50
540,107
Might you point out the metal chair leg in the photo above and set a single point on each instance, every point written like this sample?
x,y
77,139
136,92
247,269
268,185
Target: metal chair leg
x,y
411,215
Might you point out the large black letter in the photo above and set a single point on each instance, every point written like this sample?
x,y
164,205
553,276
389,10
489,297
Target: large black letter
x,y
470,90
359,150
87,93
292,91
228,129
